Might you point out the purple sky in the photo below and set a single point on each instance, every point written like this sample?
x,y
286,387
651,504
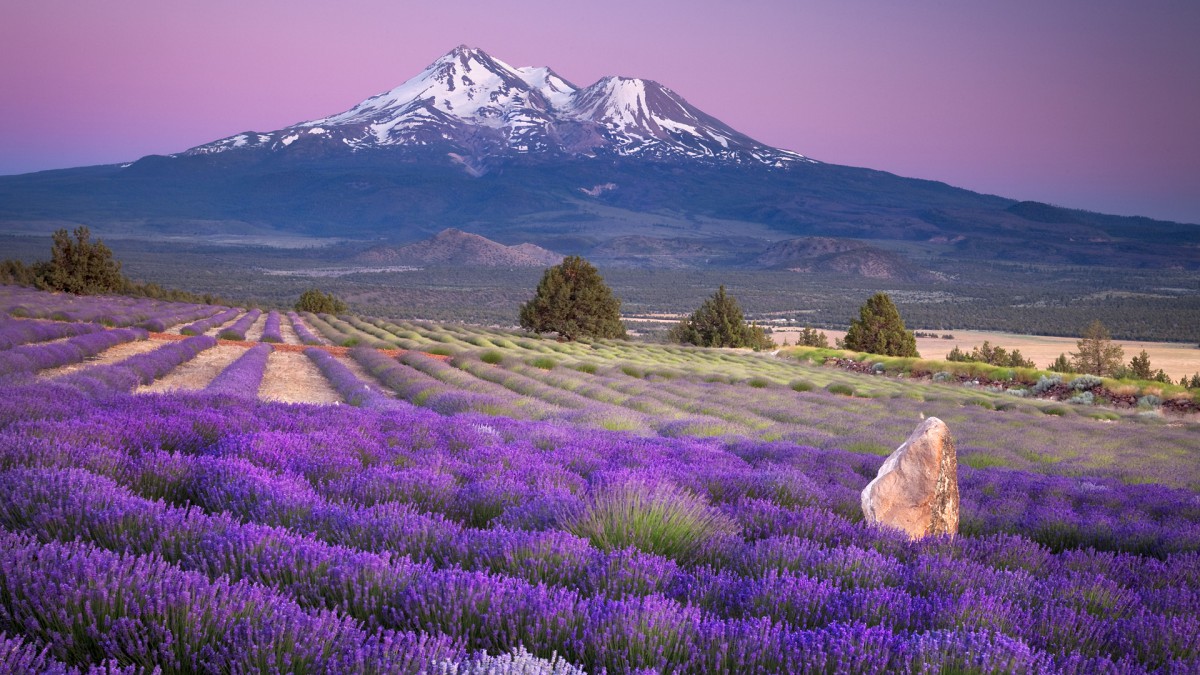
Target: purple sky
x,y
1090,104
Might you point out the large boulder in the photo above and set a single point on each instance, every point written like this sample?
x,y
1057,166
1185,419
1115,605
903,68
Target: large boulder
x,y
916,489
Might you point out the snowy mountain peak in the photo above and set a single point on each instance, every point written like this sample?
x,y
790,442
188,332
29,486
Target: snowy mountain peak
x,y
477,109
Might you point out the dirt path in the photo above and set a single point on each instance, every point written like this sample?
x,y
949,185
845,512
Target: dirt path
x,y
108,356
255,331
292,377
197,373
287,332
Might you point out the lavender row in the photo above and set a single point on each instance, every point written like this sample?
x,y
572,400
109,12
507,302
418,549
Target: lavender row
x,y
306,336
204,325
244,376
395,593
271,331
58,593
164,320
238,330
778,494
126,375
35,357
421,389
108,310
14,333
352,390
858,592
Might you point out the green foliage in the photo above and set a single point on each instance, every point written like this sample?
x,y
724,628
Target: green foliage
x,y
880,330
1060,365
811,337
719,322
573,301
801,385
313,300
492,356
78,266
996,356
543,362
1097,354
841,389
655,518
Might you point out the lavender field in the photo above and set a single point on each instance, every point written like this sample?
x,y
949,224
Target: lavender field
x,y
490,502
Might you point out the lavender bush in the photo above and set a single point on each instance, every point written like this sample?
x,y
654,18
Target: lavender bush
x,y
243,376
14,333
237,331
35,357
271,331
204,325
125,376
403,520
306,336
352,390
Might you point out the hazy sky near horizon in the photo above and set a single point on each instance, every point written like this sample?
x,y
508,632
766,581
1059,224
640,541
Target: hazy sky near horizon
x,y
1090,104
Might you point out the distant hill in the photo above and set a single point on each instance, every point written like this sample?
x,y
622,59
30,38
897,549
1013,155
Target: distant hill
x,y
455,247
841,256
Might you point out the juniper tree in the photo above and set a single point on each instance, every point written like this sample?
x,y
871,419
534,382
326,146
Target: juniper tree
x,y
79,266
573,301
880,330
1097,354
313,300
719,322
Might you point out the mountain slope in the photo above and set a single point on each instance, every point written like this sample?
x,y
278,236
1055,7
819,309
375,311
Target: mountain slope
x,y
522,154
474,109
451,248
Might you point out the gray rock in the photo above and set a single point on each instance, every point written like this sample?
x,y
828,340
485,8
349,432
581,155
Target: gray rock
x,y
916,489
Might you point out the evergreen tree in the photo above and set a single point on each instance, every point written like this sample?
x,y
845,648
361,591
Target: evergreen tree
x,y
313,300
573,301
880,330
719,322
1139,367
80,266
1097,354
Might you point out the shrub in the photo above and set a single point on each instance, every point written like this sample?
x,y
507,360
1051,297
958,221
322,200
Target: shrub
x,y
759,382
313,300
589,368
1086,382
942,376
838,388
1084,398
1057,411
801,385
543,362
1045,383
656,518
492,356
1149,401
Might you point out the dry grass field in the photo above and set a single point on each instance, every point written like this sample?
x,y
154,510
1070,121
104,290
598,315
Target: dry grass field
x,y
1177,359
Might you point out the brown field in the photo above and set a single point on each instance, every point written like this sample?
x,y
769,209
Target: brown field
x,y
1177,359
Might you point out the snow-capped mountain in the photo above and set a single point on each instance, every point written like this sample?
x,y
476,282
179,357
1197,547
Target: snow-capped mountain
x,y
473,108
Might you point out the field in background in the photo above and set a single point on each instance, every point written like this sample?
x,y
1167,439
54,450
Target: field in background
x,y
1177,359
